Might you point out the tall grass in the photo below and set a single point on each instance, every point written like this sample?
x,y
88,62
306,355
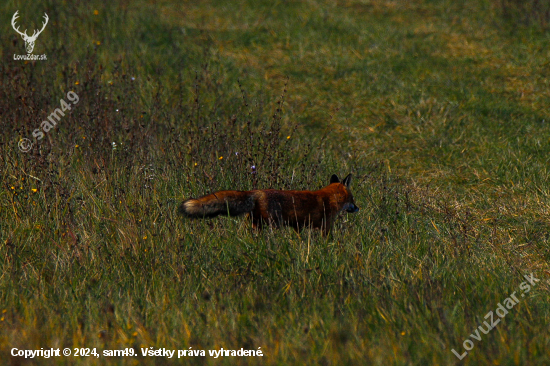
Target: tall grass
x,y
533,12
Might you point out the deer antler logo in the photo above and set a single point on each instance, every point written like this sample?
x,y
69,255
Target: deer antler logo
x,y
29,41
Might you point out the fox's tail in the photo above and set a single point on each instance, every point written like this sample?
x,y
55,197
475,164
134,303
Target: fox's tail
x,y
232,203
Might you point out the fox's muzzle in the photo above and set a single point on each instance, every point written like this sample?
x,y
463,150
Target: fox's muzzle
x,y
351,208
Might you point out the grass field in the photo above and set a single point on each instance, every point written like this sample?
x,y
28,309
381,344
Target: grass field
x,y
440,109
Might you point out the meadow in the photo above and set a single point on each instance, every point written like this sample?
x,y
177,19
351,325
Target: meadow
x,y
439,108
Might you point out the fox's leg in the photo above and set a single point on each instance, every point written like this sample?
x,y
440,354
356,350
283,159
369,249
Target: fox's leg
x,y
257,225
296,227
256,222
326,228
274,221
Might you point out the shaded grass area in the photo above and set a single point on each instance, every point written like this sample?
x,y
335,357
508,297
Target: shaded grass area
x,y
439,109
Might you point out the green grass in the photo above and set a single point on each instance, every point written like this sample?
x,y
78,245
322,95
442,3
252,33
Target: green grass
x,y
440,109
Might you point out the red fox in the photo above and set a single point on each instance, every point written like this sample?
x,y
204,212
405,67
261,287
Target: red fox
x,y
298,209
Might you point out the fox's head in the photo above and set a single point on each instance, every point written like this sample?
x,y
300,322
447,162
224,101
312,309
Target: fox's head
x,y
349,205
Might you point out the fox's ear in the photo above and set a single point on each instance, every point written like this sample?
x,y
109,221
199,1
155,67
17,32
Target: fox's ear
x,y
347,180
334,179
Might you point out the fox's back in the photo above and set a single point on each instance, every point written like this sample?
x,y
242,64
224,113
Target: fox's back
x,y
296,207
